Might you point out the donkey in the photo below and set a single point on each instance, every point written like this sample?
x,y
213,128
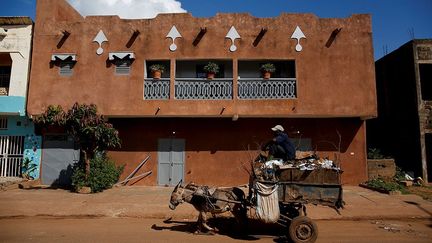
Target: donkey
x,y
214,201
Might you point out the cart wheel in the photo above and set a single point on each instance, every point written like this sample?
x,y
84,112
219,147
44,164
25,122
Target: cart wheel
x,y
303,229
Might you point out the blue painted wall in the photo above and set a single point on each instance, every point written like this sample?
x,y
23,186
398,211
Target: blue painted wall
x,y
22,126
12,105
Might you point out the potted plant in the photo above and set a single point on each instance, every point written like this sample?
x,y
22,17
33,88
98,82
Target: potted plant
x,y
211,69
267,69
157,70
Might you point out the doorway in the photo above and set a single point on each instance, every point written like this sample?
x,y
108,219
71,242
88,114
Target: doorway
x,y
171,162
58,156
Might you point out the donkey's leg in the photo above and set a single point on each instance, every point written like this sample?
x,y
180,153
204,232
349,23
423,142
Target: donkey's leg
x,y
199,224
204,222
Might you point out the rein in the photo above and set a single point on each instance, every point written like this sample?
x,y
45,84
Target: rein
x,y
183,191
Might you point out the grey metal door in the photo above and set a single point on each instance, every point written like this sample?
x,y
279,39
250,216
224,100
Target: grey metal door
x,y
170,161
58,156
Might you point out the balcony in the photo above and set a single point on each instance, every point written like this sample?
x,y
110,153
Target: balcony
x,y
190,82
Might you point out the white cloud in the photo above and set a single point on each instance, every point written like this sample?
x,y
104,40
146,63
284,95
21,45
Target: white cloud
x,y
127,9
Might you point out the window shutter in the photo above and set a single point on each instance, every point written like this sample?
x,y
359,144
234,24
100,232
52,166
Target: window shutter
x,y
66,69
122,68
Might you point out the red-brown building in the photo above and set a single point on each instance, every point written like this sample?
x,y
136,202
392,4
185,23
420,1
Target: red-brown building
x,y
204,130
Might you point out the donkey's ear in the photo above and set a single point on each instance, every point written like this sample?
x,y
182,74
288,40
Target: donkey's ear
x,y
178,184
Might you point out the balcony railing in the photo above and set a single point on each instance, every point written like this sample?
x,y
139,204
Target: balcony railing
x,y
274,88
157,89
221,88
203,89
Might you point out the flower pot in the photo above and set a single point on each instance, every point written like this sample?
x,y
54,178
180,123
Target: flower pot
x,y
266,75
210,75
156,74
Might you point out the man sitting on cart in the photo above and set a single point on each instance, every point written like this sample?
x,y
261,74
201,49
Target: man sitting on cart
x,y
281,146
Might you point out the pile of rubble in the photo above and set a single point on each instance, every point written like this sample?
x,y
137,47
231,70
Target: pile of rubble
x,y
311,164
306,162
302,164
9,182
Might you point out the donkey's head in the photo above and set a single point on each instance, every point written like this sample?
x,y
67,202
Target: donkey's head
x,y
176,196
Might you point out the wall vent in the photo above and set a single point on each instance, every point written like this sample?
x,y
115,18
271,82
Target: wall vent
x,y
66,68
122,67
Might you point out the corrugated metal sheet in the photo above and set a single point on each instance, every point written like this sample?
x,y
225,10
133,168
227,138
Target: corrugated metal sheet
x,y
16,21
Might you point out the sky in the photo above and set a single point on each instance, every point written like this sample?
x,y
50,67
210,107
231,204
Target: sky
x,y
394,22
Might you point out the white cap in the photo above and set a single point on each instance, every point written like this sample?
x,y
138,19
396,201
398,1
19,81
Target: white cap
x,y
278,128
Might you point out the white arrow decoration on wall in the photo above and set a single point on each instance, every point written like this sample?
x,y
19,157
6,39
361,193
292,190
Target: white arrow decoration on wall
x,y
233,34
100,38
298,34
173,34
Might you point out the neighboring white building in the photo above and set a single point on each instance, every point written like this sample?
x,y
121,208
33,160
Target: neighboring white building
x,y
17,139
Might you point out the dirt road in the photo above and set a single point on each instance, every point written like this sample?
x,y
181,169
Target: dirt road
x,y
39,229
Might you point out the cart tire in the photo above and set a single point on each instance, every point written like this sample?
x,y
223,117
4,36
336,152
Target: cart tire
x,y
303,229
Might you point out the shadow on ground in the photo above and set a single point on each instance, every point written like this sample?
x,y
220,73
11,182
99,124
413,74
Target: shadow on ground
x,y
255,230
423,209
52,187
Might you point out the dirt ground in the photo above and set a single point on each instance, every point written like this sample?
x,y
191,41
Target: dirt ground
x,y
423,191
40,229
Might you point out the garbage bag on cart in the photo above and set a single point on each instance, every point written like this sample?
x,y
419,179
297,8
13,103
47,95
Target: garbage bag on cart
x,y
267,208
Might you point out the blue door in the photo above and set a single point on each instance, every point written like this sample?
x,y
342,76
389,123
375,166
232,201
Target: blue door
x,y
171,158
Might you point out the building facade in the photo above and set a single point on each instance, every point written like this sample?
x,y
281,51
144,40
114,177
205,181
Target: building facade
x,y
202,130
18,141
404,125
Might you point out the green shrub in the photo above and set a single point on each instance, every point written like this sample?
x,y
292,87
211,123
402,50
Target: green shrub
x,y
78,176
103,174
400,174
386,185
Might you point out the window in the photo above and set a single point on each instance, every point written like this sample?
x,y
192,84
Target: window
x,y
5,72
122,61
65,68
3,123
122,67
429,122
65,63
426,81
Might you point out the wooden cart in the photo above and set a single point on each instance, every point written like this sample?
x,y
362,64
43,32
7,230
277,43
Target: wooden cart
x,y
296,189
